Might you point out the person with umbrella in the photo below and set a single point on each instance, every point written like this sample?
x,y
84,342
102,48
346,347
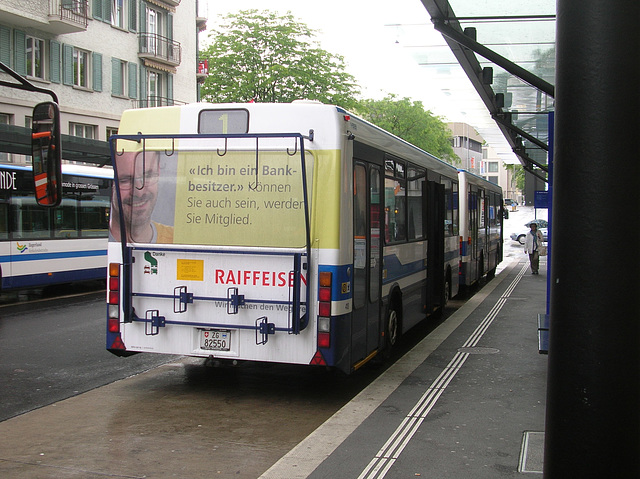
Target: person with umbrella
x,y
532,246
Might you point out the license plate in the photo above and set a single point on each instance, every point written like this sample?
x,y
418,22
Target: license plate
x,y
215,340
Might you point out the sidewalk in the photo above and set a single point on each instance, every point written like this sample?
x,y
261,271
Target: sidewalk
x,y
467,402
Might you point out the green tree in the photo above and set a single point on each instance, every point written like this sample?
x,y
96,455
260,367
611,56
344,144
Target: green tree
x,y
517,172
410,121
267,57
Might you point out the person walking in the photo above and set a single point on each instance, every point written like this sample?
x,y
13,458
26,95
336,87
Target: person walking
x,y
532,246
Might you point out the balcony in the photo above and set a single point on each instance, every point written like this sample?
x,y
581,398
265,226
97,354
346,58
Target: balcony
x,y
201,23
159,48
203,70
68,16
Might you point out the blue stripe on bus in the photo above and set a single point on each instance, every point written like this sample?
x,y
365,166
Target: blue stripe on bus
x,y
44,279
396,270
44,256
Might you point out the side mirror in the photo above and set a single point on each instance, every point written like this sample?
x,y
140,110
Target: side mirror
x,y
47,154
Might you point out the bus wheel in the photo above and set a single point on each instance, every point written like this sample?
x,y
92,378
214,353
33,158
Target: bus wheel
x,y
447,292
391,330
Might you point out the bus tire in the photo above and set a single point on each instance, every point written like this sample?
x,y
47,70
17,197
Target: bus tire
x,y
447,290
391,330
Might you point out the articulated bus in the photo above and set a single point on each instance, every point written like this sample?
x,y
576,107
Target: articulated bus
x,y
293,233
481,230
43,246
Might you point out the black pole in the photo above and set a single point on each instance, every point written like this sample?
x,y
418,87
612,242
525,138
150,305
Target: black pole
x,y
593,397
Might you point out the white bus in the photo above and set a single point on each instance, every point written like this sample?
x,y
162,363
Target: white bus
x,y
481,230
293,233
42,246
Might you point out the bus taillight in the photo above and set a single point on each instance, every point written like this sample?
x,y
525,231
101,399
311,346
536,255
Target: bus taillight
x,y
324,310
113,320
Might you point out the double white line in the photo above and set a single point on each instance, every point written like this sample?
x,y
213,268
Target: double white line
x,y
387,455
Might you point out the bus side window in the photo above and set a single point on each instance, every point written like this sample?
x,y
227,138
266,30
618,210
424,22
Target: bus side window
x,y
4,219
65,218
29,220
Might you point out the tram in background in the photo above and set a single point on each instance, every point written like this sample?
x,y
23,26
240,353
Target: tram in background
x,y
481,227
43,246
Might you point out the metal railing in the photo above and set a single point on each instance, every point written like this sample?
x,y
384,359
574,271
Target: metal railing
x,y
153,101
160,48
75,11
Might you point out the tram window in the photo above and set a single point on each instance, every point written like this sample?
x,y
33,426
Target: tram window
x,y
359,235
415,183
65,219
390,167
94,218
451,207
4,219
395,211
374,281
29,220
455,217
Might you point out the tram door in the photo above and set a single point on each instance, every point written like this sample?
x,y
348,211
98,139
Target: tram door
x,y
434,209
367,259
474,221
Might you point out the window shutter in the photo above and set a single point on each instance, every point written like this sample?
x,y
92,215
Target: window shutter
x,y
54,61
143,17
97,8
133,80
97,71
67,64
5,45
133,17
106,11
20,52
116,84
170,88
169,26
143,86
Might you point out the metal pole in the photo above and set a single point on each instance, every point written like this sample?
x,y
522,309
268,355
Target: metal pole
x,y
593,397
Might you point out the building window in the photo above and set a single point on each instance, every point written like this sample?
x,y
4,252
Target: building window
x,y
154,88
35,57
492,166
80,68
82,130
154,30
118,13
111,131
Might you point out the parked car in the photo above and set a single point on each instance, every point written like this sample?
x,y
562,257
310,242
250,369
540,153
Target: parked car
x,y
542,226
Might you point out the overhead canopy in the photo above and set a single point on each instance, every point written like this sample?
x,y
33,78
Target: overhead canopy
x,y
507,50
17,139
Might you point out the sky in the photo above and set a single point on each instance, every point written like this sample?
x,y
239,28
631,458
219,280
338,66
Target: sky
x,y
379,45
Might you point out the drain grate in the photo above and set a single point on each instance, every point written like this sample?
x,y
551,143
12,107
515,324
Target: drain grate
x,y
478,350
532,452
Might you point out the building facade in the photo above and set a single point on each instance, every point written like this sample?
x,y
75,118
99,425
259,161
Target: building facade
x,y
480,159
100,57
